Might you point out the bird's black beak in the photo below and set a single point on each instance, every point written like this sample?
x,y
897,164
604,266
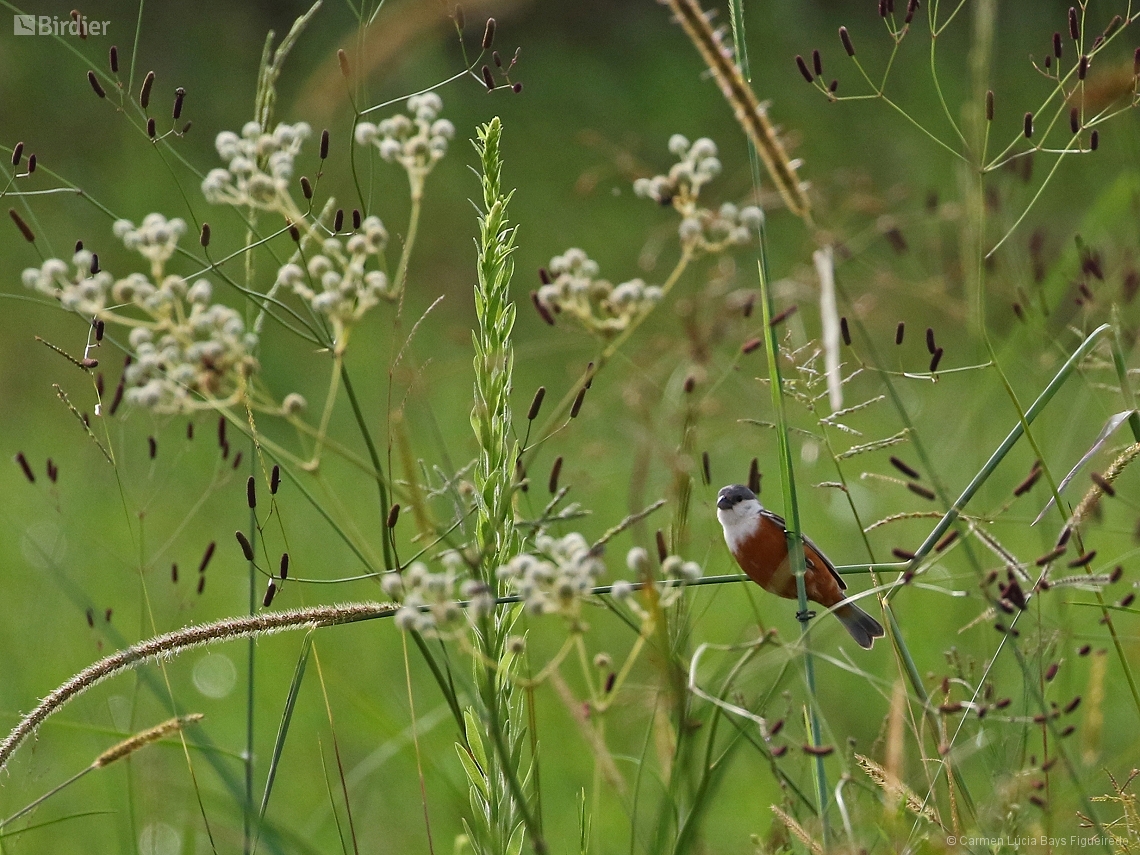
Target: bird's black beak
x,y
724,503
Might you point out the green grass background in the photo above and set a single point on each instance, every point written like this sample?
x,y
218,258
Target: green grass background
x,y
605,86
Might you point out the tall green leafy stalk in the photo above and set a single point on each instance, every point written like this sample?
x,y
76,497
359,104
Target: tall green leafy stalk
x,y
502,815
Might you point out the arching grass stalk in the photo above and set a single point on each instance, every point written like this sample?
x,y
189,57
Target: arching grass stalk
x,y
792,518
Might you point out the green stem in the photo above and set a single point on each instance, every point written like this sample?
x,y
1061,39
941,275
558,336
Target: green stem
x,y
373,454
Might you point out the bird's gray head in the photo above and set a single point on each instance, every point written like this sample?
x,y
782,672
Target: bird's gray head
x,y
736,506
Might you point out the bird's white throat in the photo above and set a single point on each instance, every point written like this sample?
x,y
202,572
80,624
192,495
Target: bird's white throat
x,y
739,522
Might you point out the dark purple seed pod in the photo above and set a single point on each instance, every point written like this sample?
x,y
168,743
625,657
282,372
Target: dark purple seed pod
x,y
845,37
845,331
152,446
96,85
179,97
23,462
1075,120
536,404
393,516
754,476
251,492
324,144
283,569
934,360
356,219
94,262
543,275
989,105
1127,600
1073,704
270,593
911,8
1094,140
294,233
1103,483
1116,573
817,63
114,54
31,163
18,151
902,554
900,331
555,471
246,546
516,88
804,70
185,128
174,573
1028,127
946,541
144,93
904,468
204,238
540,307
1083,560
274,479
495,58
1074,25
488,78
920,490
151,127
206,558
338,220
1051,672
91,617
832,86
24,228
222,431
201,584
306,188
689,385
1057,49
118,397
706,467
883,8
662,549
489,34
1136,63
577,405
1082,67
930,345
783,316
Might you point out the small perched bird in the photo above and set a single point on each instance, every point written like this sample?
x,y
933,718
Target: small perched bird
x,y
757,539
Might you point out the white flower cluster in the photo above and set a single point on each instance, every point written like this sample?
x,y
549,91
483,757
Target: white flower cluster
x,y
196,351
155,240
676,571
600,306
337,283
189,352
429,601
259,166
729,226
83,292
556,580
698,165
701,229
416,141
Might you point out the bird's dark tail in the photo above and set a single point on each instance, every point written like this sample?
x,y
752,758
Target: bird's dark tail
x,y
863,628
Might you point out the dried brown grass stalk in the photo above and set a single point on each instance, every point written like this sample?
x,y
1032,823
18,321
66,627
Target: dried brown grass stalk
x,y
751,114
184,639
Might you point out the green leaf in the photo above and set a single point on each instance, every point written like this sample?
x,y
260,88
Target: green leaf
x,y
474,773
